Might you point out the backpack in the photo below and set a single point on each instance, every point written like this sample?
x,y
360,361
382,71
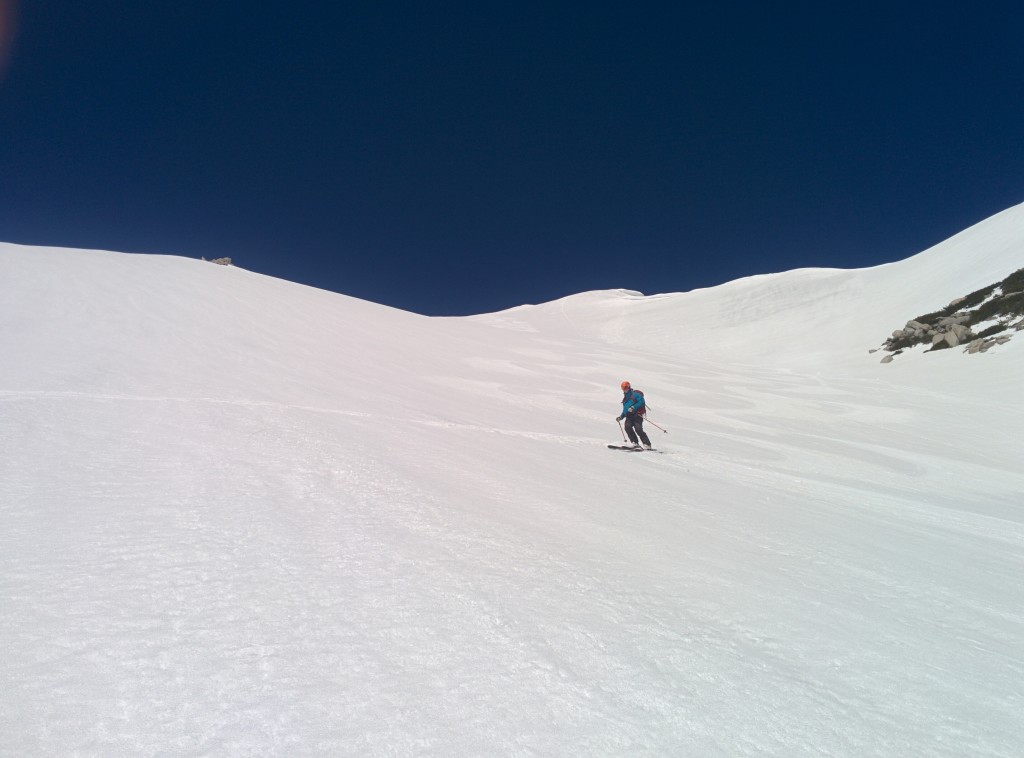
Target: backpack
x,y
643,408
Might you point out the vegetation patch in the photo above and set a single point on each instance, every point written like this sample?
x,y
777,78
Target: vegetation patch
x,y
991,331
1007,305
951,326
977,297
1014,282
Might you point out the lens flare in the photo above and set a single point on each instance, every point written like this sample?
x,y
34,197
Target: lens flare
x,y
7,16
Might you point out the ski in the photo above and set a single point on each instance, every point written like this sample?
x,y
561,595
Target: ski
x,y
628,448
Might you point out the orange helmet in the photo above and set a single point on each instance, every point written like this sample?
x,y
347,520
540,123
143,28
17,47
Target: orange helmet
x,y
624,386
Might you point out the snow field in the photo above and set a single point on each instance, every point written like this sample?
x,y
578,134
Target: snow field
x,y
242,517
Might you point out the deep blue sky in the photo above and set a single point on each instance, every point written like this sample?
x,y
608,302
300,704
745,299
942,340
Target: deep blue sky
x,y
461,157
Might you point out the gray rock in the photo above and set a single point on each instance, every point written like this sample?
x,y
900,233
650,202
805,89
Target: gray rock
x,y
962,332
887,359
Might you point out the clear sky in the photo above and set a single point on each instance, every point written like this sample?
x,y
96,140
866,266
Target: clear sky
x,y
461,157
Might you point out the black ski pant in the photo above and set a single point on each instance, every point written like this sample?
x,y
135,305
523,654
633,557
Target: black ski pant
x,y
635,428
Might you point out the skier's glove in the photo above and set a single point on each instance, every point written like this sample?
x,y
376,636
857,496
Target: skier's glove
x,y
619,418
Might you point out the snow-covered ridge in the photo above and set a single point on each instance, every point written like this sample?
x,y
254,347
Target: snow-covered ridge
x,y
806,317
239,516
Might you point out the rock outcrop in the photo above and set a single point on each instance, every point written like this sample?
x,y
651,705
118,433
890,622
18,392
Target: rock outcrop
x,y
979,321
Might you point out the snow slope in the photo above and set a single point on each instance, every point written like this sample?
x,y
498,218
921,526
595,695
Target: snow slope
x,y
244,517
811,318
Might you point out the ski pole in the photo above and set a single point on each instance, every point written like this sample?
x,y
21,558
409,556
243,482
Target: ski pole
x,y
656,426
620,430
648,407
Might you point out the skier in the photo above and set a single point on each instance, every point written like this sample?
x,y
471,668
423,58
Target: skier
x,y
633,410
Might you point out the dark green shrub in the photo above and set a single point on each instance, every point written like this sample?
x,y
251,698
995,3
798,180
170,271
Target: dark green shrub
x,y
1014,282
990,331
1013,305
977,297
1001,306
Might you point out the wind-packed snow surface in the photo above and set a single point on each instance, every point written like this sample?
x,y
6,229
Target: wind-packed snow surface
x,y
242,517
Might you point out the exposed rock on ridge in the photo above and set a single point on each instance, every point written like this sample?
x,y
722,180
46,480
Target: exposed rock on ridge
x,y
979,321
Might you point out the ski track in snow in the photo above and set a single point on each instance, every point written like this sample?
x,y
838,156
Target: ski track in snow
x,y
238,605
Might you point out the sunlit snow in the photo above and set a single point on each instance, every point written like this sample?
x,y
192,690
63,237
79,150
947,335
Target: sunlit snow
x,y
242,517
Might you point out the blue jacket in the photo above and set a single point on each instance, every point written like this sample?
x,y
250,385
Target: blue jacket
x,y
632,400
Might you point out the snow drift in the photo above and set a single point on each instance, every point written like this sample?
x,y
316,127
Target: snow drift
x,y
246,517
